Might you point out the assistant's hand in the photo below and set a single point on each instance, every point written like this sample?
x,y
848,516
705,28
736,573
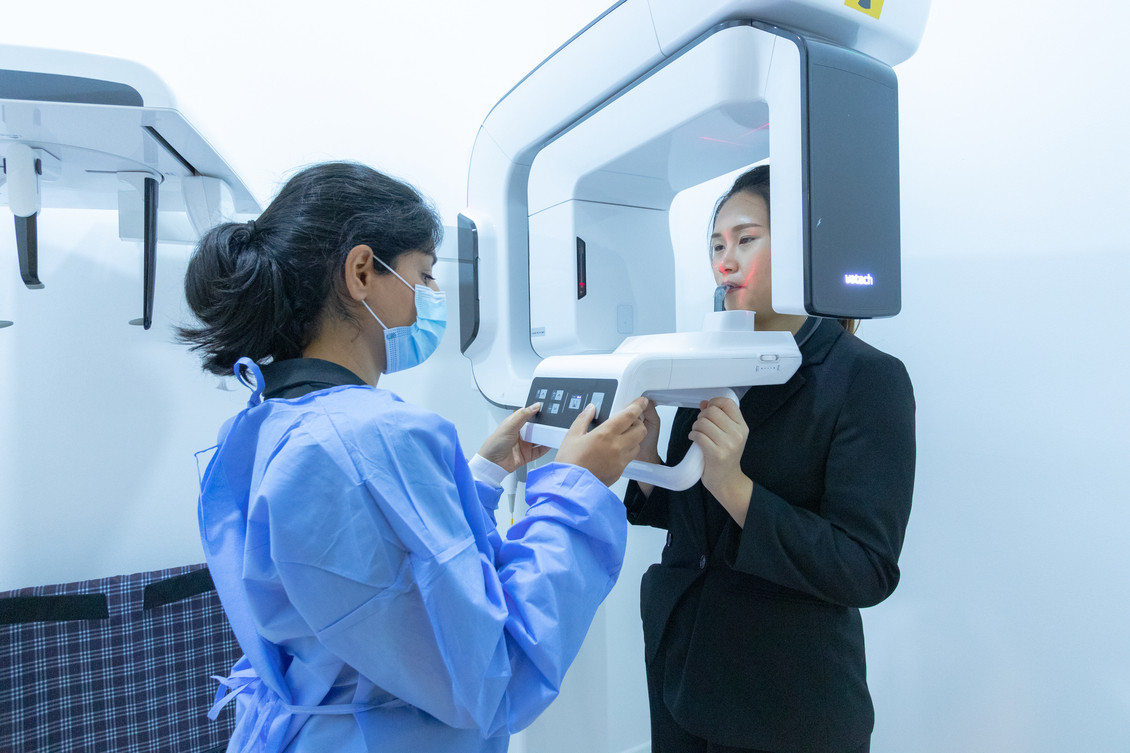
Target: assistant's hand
x,y
505,447
721,433
608,448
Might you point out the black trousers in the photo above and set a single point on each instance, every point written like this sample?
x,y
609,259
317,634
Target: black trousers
x,y
668,737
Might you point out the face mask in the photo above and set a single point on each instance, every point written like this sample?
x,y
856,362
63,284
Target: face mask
x,y
406,347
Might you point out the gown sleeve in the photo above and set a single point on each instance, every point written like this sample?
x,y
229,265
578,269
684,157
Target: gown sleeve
x,y
847,554
383,544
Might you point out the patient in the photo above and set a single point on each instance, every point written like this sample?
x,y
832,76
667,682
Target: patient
x,y
752,633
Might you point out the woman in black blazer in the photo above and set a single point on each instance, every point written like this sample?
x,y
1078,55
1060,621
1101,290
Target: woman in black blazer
x,y
751,620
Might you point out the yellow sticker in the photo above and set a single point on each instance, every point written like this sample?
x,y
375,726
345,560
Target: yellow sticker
x,y
871,7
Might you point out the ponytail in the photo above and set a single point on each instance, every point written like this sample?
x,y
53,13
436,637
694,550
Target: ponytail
x,y
235,286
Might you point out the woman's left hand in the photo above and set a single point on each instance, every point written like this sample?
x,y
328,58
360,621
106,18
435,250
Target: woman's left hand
x,y
505,447
721,433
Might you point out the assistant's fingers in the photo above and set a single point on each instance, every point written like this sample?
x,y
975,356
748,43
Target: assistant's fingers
x,y
519,417
637,433
620,422
535,451
580,425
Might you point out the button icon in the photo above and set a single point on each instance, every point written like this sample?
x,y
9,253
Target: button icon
x,y
542,394
555,407
575,402
559,394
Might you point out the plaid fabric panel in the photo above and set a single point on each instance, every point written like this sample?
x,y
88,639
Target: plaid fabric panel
x,y
136,681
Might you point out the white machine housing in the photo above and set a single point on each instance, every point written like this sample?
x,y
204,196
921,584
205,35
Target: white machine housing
x,y
565,246
88,131
677,368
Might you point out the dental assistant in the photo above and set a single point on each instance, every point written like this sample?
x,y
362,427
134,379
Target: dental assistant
x,y
352,544
752,633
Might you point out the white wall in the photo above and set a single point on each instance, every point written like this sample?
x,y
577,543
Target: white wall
x,y
1009,629
1008,632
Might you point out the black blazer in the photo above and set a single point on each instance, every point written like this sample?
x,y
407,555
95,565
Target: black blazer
x,y
754,633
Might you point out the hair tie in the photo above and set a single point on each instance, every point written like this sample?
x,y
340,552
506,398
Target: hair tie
x,y
251,226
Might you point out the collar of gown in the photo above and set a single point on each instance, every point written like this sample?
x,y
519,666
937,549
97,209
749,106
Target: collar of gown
x,y
296,377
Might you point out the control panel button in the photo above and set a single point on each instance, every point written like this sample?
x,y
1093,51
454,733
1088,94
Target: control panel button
x,y
559,394
542,394
555,408
768,356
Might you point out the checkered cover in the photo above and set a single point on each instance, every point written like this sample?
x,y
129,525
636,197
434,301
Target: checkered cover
x,y
137,681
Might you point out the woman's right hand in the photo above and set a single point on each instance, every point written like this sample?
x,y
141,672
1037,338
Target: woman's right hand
x,y
606,450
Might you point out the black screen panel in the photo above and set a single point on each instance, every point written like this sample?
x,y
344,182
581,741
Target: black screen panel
x,y
853,262
468,282
563,398
53,87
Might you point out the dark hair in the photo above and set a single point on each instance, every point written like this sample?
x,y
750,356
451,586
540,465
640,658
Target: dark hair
x,y
260,289
756,182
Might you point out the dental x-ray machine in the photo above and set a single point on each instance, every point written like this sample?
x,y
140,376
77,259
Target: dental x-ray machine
x,y
565,247
79,130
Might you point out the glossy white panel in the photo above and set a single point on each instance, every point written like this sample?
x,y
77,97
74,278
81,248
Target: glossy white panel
x,y
892,37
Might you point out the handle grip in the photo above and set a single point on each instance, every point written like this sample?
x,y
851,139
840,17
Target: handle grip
x,y
689,470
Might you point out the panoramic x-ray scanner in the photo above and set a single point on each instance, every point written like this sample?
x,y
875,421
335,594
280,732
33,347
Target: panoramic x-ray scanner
x,y
567,284
86,131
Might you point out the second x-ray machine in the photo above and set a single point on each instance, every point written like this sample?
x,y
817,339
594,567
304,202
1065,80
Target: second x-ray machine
x,y
95,132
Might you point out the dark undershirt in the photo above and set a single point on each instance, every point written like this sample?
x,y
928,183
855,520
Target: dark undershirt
x,y
296,377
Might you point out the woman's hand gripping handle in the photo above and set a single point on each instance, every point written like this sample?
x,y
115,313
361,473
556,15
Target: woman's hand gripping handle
x,y
721,432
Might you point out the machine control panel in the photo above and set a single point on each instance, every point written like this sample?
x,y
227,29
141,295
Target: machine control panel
x,y
563,398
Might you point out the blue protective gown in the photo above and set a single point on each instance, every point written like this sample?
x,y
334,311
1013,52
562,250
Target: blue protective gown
x,y
358,561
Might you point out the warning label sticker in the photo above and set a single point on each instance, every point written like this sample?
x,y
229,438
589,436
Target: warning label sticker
x,y
871,7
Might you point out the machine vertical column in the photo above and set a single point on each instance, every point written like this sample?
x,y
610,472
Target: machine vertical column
x,y
149,271
22,170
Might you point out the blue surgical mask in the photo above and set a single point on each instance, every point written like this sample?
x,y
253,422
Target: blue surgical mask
x,y
406,347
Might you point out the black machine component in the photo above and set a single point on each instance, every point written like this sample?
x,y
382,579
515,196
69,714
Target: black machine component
x,y
850,180
582,270
169,148
27,246
27,241
53,87
149,262
468,282
854,253
563,398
